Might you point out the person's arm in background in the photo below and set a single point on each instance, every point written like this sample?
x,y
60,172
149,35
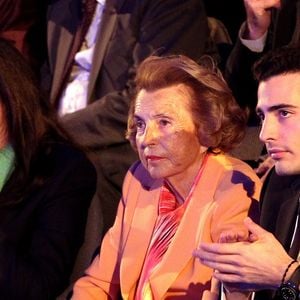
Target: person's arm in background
x,y
247,49
162,27
258,17
254,265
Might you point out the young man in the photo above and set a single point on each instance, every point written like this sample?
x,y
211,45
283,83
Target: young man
x,y
269,261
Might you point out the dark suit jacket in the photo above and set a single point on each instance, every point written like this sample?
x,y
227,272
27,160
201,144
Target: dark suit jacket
x,y
279,206
40,236
284,30
130,31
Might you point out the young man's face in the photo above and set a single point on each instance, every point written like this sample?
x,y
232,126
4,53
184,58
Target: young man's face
x,y
279,109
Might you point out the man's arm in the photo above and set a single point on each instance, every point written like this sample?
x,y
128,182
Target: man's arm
x,y
254,265
258,17
238,71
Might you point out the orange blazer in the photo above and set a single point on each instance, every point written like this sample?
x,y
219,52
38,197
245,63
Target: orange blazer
x,y
227,189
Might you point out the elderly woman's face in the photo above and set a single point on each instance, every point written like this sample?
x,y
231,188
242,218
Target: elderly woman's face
x,y
3,127
166,137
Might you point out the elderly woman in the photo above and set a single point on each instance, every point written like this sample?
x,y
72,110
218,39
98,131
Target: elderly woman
x,y
46,185
184,190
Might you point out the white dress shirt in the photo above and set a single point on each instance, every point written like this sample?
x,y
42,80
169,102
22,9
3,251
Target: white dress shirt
x,y
74,97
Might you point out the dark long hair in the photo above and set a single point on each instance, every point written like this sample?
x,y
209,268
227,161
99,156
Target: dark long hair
x,y
31,124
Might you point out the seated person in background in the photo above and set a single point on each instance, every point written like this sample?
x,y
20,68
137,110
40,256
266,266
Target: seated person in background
x,y
184,189
92,62
46,185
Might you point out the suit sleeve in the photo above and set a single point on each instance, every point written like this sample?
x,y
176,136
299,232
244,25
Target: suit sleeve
x,y
54,217
157,27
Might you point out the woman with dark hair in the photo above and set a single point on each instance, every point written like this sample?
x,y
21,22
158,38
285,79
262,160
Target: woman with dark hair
x,y
184,190
46,185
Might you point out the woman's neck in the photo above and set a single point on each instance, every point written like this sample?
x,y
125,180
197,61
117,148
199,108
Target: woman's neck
x,y
183,184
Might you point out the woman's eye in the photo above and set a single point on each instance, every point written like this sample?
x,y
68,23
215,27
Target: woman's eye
x,y
139,124
164,122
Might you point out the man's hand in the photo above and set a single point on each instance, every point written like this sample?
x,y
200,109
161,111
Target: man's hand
x,y
255,264
258,17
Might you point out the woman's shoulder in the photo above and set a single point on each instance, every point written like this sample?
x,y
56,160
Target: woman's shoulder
x,y
228,162
236,176
234,170
138,172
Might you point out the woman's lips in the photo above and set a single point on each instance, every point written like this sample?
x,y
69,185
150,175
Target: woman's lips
x,y
153,158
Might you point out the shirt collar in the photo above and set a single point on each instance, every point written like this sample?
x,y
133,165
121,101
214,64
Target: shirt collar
x,y
102,2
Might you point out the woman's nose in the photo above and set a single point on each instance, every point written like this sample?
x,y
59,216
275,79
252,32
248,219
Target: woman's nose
x,y
150,135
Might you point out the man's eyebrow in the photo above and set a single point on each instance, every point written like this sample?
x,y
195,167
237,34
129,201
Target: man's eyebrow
x,y
276,107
